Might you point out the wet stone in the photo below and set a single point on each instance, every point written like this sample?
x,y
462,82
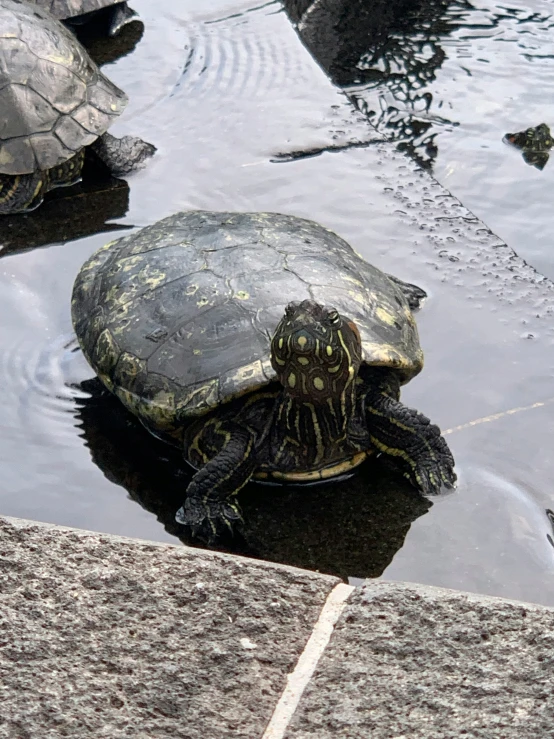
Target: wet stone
x,y
109,638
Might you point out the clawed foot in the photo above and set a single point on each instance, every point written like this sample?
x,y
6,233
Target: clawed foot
x,y
207,519
433,477
124,155
435,468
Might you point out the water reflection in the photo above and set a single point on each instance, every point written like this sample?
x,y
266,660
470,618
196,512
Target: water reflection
x,y
69,213
445,81
348,528
394,49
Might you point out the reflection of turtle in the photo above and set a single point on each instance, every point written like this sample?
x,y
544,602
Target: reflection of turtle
x,y
54,101
184,322
71,213
76,10
348,528
534,144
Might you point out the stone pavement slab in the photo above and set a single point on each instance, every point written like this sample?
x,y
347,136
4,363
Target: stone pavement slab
x,y
109,638
408,661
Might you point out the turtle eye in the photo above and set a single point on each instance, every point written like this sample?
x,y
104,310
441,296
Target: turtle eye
x,y
333,317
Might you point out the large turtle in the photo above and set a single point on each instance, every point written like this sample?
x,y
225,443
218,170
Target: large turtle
x,y
264,346
54,101
80,10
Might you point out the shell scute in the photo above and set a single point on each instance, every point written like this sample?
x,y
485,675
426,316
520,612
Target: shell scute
x,y
53,98
196,298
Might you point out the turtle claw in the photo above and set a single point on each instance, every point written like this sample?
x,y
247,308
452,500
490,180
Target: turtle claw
x,y
207,519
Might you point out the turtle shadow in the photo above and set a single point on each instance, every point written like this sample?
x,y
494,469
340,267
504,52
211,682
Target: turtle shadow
x,y
69,213
348,528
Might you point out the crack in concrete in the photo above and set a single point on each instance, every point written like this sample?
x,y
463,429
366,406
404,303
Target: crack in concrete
x,y
300,677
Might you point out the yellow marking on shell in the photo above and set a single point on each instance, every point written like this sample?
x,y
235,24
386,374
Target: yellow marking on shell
x,y
280,343
291,380
200,399
359,298
129,399
242,295
197,352
329,350
384,354
247,372
58,59
280,362
159,411
5,158
354,280
302,341
325,473
191,289
105,353
131,262
151,276
303,361
128,367
105,380
385,316
202,302
318,383
334,370
113,106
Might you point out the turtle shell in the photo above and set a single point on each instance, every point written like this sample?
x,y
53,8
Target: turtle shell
x,y
63,9
53,100
178,317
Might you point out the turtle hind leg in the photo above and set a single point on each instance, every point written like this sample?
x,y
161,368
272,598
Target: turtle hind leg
x,y
123,155
414,295
68,173
121,15
22,193
226,450
408,437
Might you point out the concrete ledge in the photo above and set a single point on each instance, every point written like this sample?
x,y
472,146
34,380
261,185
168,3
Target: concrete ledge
x,y
408,661
105,637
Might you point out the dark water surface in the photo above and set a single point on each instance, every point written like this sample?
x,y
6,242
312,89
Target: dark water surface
x,y
447,80
231,98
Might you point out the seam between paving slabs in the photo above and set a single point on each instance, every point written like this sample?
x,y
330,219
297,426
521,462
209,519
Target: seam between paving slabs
x,y
299,678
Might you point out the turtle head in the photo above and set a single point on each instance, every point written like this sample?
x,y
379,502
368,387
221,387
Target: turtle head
x,y
315,351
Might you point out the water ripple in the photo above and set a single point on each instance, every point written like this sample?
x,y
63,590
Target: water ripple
x,y
236,58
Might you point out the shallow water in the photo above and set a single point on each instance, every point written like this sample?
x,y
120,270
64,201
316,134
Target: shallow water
x,y
232,101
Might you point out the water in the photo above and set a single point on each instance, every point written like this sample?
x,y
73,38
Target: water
x,y
232,101
447,80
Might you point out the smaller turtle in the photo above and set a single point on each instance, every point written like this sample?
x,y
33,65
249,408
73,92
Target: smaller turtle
x,y
534,144
79,11
54,102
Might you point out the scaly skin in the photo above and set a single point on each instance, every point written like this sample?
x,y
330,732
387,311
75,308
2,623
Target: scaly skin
x,y
330,408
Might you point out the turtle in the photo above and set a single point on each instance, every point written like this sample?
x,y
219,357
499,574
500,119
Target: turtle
x,y
264,347
77,11
54,102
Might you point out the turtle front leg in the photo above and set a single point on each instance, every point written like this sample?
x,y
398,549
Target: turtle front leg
x,y
227,450
124,155
409,438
